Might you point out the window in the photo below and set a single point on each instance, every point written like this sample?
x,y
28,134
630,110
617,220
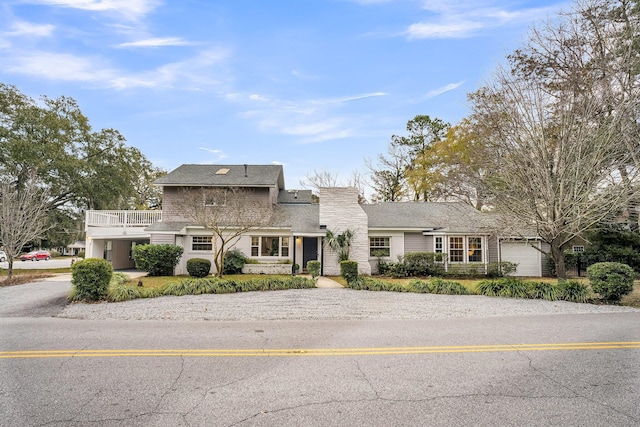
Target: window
x,y
475,249
578,249
438,245
269,246
379,246
201,243
255,246
456,249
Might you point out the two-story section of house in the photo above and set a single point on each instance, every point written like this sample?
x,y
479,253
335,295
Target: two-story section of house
x,y
296,228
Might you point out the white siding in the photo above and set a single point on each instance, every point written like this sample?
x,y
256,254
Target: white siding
x,y
416,242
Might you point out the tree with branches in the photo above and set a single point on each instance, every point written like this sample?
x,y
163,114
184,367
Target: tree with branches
x,y
228,213
23,216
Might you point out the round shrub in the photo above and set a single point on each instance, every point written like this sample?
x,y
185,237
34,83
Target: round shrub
x,y
612,280
198,267
234,260
90,279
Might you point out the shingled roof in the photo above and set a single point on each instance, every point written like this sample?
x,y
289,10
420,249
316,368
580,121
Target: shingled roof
x,y
448,216
225,175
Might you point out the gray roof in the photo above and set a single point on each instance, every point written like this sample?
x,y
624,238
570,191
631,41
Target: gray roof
x,y
295,196
303,219
446,216
208,175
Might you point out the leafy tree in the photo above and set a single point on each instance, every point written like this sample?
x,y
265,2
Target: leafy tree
x,y
23,217
79,167
424,132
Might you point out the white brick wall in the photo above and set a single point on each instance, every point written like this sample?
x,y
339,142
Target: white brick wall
x,y
339,211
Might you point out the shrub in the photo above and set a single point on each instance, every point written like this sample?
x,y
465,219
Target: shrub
x,y
313,267
55,254
90,279
574,291
490,288
157,260
612,280
234,260
509,287
543,290
447,287
349,270
501,269
198,267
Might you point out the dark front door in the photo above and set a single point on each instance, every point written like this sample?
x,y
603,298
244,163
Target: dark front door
x,y
309,250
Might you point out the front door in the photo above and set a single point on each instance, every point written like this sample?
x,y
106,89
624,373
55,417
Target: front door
x,y
309,250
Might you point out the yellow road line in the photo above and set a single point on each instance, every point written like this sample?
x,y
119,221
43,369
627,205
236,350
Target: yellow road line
x,y
26,354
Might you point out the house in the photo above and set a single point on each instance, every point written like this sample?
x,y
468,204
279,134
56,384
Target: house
x,y
297,228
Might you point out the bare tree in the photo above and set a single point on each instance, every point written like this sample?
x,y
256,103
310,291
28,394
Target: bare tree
x,y
228,213
23,216
326,179
388,179
556,157
319,179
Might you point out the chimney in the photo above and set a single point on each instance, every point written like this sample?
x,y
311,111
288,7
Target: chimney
x,y
245,170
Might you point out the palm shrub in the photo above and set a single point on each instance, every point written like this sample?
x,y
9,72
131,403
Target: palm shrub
x,y
90,279
313,267
198,267
612,280
349,270
157,260
340,243
573,290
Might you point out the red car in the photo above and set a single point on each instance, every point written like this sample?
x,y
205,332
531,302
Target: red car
x,y
36,256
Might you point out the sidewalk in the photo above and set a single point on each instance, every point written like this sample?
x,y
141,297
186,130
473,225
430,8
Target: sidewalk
x,y
325,282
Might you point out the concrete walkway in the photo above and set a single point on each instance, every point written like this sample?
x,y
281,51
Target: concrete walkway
x,y
325,282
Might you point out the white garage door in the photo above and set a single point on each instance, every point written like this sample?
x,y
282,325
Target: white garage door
x,y
527,257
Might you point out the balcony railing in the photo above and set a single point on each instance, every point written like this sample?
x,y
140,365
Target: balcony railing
x,y
122,218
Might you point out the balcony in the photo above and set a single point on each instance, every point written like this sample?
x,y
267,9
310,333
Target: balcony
x,y
122,219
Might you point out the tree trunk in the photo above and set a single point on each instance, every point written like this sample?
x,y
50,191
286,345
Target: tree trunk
x,y
557,254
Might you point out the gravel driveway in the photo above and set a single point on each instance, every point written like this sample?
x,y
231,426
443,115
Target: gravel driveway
x,y
326,304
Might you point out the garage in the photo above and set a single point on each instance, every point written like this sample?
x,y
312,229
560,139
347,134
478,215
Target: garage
x,y
528,258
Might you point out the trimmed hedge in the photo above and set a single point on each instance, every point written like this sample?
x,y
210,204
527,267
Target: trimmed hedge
x,y
157,260
349,270
313,267
198,267
90,279
612,280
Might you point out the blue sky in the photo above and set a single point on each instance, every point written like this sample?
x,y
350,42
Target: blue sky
x,y
310,84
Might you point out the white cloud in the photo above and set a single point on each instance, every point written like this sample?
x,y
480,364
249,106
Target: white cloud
x,y
156,42
313,120
443,89
129,9
466,18
23,28
210,150
192,74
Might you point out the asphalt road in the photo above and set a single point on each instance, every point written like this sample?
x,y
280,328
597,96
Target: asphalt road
x,y
527,370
